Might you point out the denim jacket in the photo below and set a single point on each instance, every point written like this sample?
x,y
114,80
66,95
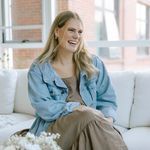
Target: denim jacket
x,y
48,93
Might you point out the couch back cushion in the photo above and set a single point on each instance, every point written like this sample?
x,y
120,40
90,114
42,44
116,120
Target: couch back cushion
x,y
140,114
7,90
123,83
22,102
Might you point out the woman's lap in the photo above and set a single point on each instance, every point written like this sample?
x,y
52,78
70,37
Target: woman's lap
x,y
70,128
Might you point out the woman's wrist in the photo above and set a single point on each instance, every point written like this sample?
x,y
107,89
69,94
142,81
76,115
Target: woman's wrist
x,y
76,108
109,119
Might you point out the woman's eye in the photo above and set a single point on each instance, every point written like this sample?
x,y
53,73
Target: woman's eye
x,y
72,30
80,32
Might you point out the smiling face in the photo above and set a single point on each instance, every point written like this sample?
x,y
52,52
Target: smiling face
x,y
70,35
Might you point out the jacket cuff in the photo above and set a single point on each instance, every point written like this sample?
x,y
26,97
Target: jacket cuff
x,y
109,112
71,105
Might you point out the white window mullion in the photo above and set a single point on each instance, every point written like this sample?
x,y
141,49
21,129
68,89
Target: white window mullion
x,y
112,34
120,43
94,44
8,20
49,8
22,27
0,21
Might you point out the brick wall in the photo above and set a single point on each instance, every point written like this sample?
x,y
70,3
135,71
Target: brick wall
x,y
62,5
23,58
26,12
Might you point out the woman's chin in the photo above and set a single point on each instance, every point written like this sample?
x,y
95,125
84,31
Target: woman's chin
x,y
72,50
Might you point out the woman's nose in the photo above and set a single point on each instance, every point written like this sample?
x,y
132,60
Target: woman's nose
x,y
76,35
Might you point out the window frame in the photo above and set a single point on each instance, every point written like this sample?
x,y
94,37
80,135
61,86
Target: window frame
x,y
48,14
105,52
147,31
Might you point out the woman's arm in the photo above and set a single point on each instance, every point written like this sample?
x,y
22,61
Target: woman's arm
x,y
106,97
47,108
94,111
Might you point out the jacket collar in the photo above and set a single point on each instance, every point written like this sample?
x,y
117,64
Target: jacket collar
x,y
83,74
50,75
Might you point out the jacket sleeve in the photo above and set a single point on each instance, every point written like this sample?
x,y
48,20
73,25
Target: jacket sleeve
x,y
106,97
46,108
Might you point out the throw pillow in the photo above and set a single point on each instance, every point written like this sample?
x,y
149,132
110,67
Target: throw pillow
x,y
7,90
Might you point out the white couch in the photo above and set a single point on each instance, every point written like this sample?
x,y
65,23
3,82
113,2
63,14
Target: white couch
x,y
132,89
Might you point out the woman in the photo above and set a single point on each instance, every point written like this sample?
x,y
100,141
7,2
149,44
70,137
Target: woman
x,y
71,91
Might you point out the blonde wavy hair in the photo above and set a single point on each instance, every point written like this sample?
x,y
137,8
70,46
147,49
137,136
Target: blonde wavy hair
x,y
82,58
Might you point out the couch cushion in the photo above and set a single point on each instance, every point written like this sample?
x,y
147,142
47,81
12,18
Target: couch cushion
x,y
123,83
138,138
121,129
7,121
140,114
7,90
22,102
5,133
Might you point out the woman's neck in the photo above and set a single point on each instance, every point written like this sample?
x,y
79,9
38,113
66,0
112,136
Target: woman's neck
x,y
64,66
64,58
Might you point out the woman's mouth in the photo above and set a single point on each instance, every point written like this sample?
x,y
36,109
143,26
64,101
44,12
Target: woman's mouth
x,y
73,43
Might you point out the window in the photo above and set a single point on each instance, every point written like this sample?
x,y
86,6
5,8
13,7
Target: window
x,y
142,27
106,16
26,21
24,27
18,22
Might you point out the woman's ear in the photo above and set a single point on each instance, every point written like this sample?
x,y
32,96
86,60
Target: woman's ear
x,y
56,32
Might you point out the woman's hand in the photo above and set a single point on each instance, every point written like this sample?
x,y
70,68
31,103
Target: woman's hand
x,y
96,112
86,108
109,119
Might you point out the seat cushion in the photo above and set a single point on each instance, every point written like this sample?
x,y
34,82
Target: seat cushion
x,y
123,83
7,90
122,130
7,121
140,114
9,124
5,133
138,138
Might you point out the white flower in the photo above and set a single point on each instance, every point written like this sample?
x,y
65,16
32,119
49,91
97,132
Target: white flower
x,y
46,141
32,147
30,136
